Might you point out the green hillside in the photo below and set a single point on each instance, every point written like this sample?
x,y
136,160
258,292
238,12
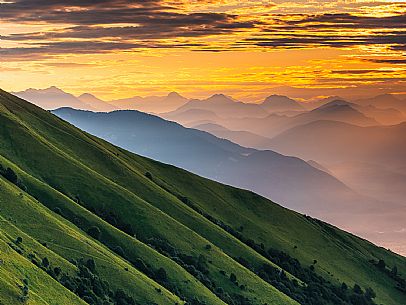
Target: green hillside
x,y
83,221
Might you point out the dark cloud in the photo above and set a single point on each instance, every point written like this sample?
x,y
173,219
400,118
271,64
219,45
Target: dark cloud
x,y
362,71
395,40
333,30
335,80
66,64
94,22
401,61
147,31
49,50
348,21
45,50
149,14
96,26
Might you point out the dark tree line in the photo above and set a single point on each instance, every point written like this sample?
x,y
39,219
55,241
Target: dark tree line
x,y
393,273
316,290
11,176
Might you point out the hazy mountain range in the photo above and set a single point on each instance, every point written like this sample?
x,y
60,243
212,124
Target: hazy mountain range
x,y
53,98
265,172
292,182
358,143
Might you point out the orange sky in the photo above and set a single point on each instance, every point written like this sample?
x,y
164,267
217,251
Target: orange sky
x,y
247,49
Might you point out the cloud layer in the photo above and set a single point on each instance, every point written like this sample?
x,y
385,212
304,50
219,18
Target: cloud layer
x,y
91,27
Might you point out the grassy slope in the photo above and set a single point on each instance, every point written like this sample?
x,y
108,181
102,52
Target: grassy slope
x,y
76,177
66,241
15,267
73,163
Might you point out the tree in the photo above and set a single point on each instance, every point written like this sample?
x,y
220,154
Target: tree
x,y
57,271
11,176
161,275
357,289
370,293
233,277
381,264
394,271
24,291
344,286
91,265
45,262
94,232
119,251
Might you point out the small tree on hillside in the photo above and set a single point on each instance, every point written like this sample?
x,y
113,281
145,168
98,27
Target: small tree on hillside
x,y
161,275
10,175
357,289
94,232
394,271
381,264
45,262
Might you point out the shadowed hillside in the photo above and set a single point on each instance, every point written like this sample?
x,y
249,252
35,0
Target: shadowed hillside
x,y
288,180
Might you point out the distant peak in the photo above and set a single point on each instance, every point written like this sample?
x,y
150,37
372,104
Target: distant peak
x,y
336,105
219,97
278,98
174,94
281,102
339,102
386,96
86,95
53,89
334,97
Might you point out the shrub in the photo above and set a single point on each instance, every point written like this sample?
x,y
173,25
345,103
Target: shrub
x,y
119,251
394,271
381,264
57,271
91,265
45,262
94,232
10,175
58,211
344,286
161,275
24,291
370,293
140,265
357,289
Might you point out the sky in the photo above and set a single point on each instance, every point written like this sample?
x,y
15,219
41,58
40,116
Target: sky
x,y
246,49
